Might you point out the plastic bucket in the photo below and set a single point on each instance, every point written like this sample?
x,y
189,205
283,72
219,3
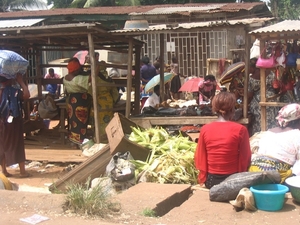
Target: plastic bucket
x,y
46,123
269,197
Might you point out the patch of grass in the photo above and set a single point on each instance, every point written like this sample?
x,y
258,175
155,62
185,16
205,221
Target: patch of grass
x,y
149,212
84,201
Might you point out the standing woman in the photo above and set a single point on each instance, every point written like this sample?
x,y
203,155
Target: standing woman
x,y
107,97
254,98
12,148
175,82
223,146
78,101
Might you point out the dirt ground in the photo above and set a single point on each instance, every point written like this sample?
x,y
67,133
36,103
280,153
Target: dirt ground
x,y
34,197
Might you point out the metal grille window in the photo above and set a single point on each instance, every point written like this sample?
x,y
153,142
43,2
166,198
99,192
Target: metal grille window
x,y
191,48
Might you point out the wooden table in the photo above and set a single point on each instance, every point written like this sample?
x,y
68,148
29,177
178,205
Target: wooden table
x,y
147,122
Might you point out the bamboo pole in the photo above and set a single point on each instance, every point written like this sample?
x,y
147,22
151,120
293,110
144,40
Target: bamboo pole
x,y
129,78
94,87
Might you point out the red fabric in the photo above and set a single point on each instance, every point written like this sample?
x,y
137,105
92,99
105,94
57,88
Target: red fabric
x,y
221,65
223,148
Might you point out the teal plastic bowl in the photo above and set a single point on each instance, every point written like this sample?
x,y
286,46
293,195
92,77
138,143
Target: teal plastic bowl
x,y
294,185
269,197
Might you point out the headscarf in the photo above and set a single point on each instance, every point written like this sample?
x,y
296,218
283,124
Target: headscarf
x,y
73,66
287,114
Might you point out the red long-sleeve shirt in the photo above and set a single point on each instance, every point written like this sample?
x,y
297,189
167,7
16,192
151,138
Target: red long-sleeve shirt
x,y
223,148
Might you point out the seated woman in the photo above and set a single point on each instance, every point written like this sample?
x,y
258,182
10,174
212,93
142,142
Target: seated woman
x,y
223,146
279,148
152,103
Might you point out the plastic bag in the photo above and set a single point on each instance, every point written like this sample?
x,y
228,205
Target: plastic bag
x,y
230,187
255,49
11,64
47,108
120,168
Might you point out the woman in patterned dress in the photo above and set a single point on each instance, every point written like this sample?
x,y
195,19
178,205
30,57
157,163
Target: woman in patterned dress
x,y
107,96
254,94
78,101
279,148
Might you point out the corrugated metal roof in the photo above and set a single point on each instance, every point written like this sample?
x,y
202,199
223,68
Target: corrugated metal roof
x,y
171,10
19,23
125,10
163,27
284,26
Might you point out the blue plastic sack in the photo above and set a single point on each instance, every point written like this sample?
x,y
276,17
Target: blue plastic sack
x,y
12,63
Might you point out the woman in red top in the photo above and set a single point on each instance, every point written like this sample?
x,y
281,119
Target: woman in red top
x,y
223,146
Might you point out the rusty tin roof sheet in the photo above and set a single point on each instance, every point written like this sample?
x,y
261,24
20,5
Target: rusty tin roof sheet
x,y
166,27
126,10
284,26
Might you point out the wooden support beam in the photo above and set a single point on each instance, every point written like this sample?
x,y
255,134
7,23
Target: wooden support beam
x,y
129,78
246,79
94,87
137,80
273,104
263,99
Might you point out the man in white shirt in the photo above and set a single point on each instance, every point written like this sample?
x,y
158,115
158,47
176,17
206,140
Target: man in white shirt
x,y
154,99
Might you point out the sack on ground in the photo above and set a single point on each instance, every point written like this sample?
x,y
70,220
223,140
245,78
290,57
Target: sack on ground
x,y
47,108
230,187
120,168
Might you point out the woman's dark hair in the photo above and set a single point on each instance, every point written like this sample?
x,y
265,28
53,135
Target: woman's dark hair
x,y
156,64
223,103
156,88
210,77
145,60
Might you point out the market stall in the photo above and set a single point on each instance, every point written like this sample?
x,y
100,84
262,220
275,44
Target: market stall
x,y
163,31
33,41
287,31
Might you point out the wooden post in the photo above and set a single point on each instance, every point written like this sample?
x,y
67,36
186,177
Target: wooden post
x,y
137,80
246,79
39,75
94,86
263,114
162,63
263,98
129,78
